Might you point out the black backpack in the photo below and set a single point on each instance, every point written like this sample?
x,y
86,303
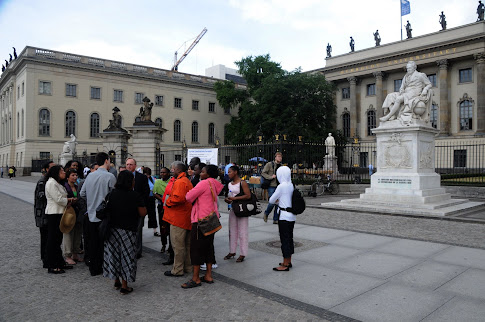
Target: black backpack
x,y
297,202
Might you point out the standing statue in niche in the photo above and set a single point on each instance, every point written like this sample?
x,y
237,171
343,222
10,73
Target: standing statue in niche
x,y
480,11
413,100
330,145
443,21
377,38
146,110
352,44
409,30
329,50
70,146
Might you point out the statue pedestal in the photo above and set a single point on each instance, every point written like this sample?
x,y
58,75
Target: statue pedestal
x,y
406,181
65,158
146,144
330,164
115,143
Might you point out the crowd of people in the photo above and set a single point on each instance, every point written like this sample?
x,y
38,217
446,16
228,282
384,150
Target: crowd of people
x,y
11,172
96,215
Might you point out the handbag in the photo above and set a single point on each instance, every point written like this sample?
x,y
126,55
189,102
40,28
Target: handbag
x,y
210,223
265,183
246,207
102,213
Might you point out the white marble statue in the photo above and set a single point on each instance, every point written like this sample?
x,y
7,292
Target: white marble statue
x,y
330,145
70,146
413,102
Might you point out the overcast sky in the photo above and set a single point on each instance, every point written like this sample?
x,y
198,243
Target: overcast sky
x,y
294,33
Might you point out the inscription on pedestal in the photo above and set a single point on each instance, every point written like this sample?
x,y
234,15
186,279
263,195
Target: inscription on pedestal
x,y
401,183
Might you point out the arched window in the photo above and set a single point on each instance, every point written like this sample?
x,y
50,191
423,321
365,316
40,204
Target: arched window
x,y
70,123
159,122
94,125
177,131
346,124
433,116
466,115
212,133
371,121
44,122
195,132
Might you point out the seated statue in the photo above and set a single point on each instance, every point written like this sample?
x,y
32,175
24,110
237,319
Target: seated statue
x,y
413,100
70,146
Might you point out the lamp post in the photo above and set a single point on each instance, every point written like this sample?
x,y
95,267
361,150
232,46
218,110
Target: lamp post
x,y
157,159
259,143
355,156
184,151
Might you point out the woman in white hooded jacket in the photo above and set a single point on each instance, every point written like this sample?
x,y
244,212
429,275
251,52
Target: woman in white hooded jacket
x,y
286,223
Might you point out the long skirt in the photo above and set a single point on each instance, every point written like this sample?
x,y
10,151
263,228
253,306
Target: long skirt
x,y
120,255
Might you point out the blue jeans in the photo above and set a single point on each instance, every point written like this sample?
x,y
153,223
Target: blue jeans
x,y
270,207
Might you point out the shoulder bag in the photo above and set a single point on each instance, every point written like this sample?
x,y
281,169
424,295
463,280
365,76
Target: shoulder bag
x,y
246,207
210,223
265,183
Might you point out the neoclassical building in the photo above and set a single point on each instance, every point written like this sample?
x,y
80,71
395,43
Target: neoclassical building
x,y
46,96
454,61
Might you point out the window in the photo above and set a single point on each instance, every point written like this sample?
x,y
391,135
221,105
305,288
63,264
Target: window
x,y
22,123
138,98
18,124
345,93
94,125
70,123
465,75
195,132
397,85
371,89
227,110
159,122
432,79
45,88
158,100
346,124
466,115
137,119
195,105
433,116
44,122
44,155
18,92
177,131
95,93
363,159
177,103
71,90
212,133
212,107
23,88
178,157
118,95
371,121
459,158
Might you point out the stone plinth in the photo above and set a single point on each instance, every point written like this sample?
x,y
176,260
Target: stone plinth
x,y
145,138
116,141
330,164
65,158
406,181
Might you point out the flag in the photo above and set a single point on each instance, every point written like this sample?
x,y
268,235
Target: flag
x,y
405,7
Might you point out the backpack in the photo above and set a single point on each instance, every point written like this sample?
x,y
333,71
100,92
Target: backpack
x,y
297,202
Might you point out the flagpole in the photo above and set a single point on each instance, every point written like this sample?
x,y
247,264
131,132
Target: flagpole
x,y
400,6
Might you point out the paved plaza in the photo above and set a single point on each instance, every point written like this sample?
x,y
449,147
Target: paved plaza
x,y
347,266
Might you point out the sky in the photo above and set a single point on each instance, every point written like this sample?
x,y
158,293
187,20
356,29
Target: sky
x,y
294,33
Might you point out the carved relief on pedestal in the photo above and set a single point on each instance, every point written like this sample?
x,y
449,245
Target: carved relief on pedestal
x,y
426,155
396,153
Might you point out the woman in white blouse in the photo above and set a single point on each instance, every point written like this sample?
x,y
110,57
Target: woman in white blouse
x,y
57,201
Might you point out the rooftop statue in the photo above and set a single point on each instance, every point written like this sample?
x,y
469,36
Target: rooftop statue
x,y
10,57
480,11
352,44
409,30
329,50
443,21
14,53
413,102
377,38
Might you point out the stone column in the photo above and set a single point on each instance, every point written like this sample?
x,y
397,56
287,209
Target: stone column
x,y
379,96
354,114
480,59
445,112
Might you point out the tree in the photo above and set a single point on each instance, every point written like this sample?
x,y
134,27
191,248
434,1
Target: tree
x,y
292,103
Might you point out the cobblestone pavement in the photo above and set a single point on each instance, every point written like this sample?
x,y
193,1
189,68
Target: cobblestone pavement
x,y
28,293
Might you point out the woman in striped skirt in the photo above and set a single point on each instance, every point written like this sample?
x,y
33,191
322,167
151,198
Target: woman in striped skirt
x,y
125,207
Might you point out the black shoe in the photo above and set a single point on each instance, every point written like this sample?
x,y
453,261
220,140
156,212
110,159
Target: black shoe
x,y
169,262
55,271
169,273
67,267
95,273
138,256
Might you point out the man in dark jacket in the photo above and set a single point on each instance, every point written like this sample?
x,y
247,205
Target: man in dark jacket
x,y
40,202
142,187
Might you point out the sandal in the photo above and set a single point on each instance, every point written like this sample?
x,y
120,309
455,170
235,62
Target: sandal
x,y
191,284
229,256
70,261
117,285
277,269
125,291
240,259
289,265
202,279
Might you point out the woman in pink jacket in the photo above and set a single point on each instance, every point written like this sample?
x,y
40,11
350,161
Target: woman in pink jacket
x,y
204,199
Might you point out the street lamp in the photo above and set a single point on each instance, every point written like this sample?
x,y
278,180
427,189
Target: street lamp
x,y
355,156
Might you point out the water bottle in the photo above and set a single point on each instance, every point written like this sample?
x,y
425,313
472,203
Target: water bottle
x,y
229,206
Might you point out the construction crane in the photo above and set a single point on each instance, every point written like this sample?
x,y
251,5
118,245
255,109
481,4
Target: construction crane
x,y
196,41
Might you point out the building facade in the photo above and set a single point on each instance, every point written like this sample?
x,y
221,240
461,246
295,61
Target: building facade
x,y
46,96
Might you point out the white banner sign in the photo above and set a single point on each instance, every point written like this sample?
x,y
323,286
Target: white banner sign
x,y
207,156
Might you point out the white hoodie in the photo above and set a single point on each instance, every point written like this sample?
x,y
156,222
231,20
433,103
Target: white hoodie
x,y
283,193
